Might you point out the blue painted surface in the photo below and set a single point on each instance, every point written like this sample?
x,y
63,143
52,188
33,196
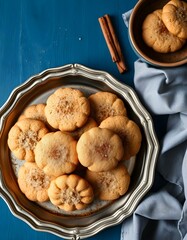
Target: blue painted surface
x,y
40,34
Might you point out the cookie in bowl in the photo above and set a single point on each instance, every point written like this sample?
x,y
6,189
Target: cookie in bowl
x,y
157,36
174,16
170,52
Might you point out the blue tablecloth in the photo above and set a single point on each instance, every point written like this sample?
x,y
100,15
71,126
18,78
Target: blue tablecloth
x,y
38,34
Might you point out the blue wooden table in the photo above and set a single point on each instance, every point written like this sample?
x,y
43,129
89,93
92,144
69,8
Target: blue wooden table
x,y
40,34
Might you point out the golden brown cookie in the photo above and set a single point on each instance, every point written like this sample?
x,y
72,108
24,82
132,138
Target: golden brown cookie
x,y
79,131
156,35
33,182
128,131
105,104
174,16
24,136
99,149
56,154
35,111
67,109
70,192
109,185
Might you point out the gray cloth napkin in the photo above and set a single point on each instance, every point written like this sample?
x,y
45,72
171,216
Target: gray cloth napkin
x,y
162,213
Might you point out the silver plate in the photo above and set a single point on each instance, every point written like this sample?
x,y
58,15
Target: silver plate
x,y
100,215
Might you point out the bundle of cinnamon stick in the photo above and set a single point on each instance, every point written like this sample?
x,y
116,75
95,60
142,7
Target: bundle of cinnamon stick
x,y
112,42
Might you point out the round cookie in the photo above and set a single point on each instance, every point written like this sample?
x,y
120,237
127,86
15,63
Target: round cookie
x,y
128,131
24,136
35,111
79,131
70,192
56,154
174,16
156,35
105,104
67,109
109,185
33,182
99,149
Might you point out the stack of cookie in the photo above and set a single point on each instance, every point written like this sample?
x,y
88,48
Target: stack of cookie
x,y
74,148
165,30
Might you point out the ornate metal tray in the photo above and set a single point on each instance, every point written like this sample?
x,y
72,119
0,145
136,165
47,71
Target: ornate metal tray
x,y
100,215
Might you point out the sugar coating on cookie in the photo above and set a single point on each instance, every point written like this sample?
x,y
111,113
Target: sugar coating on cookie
x,y
33,182
105,104
67,109
174,16
128,131
156,35
109,185
70,192
56,154
24,136
99,149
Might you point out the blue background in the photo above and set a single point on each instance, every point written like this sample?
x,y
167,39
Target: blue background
x,y
38,34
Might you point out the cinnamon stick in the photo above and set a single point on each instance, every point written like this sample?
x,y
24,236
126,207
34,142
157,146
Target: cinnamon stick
x,y
109,39
112,42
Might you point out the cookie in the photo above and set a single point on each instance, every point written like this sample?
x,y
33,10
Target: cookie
x,y
67,109
33,182
174,16
35,111
79,131
109,185
128,131
156,35
99,149
56,154
70,192
24,136
105,104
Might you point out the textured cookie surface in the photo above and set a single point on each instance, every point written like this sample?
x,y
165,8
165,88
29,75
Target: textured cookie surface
x,y
70,192
35,111
33,182
99,149
67,109
56,154
157,36
174,16
105,104
128,131
24,136
109,185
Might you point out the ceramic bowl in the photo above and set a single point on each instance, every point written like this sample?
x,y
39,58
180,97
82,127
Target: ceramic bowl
x,y
140,11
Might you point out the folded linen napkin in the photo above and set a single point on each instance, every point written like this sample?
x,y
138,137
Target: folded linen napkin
x,y
162,213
